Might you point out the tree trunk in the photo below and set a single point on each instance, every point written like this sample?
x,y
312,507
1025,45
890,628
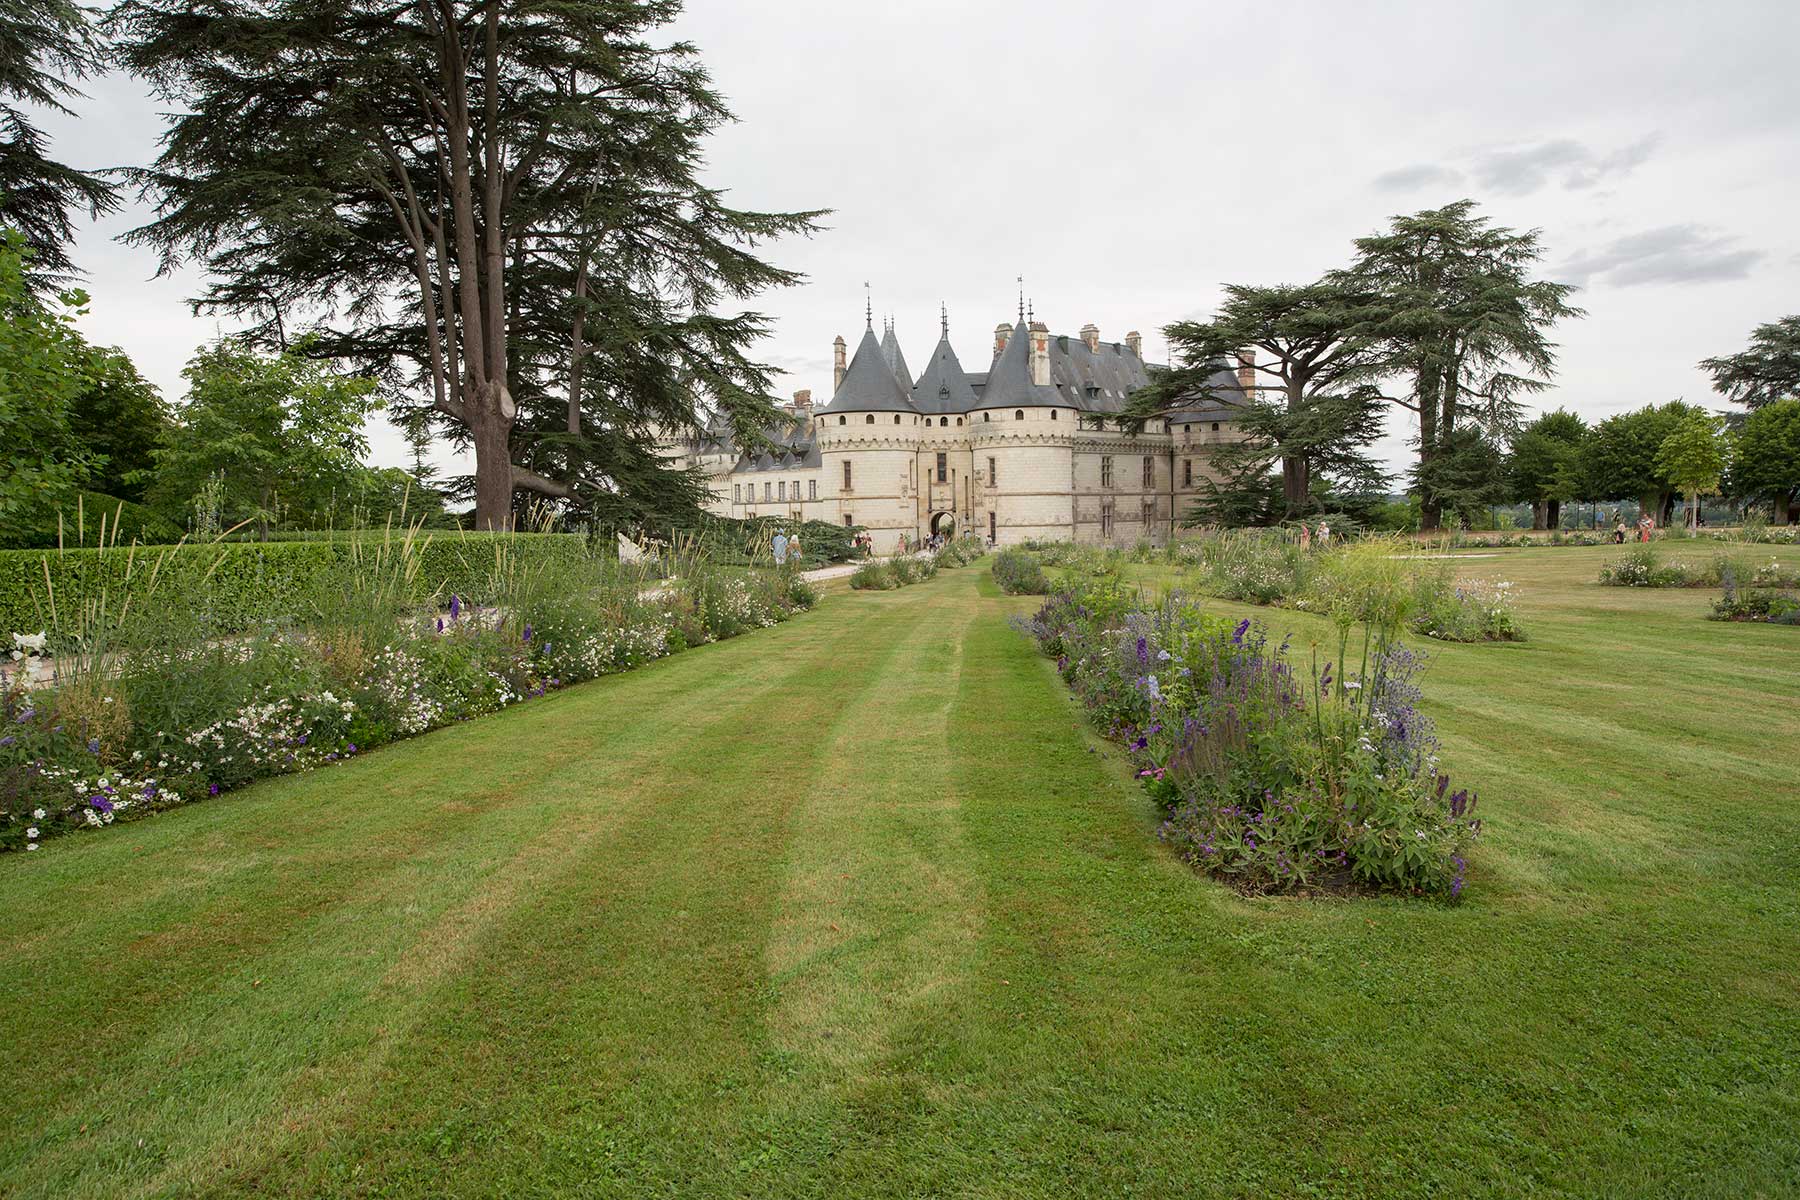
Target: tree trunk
x,y
1537,514
1553,513
492,438
1783,508
1666,511
1295,485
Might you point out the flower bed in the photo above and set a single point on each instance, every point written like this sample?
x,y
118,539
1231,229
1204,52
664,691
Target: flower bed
x,y
1019,574
1270,776
1645,566
1266,568
161,714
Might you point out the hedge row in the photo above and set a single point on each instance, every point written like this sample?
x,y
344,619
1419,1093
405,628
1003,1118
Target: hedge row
x,y
242,583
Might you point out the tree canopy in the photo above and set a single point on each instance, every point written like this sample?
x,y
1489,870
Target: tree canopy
x,y
1767,371
495,207
1765,463
1692,459
1545,467
44,44
1466,326
1619,458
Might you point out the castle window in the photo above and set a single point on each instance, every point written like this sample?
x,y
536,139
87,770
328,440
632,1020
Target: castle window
x,y
737,493
993,473
846,474
959,420
796,492
1106,519
768,491
1187,472
847,519
781,492
842,419
1215,427
1106,471
1149,514
943,421
897,419
1019,414
943,467
812,489
1053,414
869,420
987,416
1149,471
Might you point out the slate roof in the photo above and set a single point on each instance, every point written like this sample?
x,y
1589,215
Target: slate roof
x,y
896,361
869,384
944,387
1009,379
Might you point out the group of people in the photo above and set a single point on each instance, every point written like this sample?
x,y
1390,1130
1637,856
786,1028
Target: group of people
x,y
786,546
1322,535
1646,526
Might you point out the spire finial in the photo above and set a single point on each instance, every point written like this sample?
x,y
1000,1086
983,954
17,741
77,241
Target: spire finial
x,y
868,307
1030,312
1021,297
944,318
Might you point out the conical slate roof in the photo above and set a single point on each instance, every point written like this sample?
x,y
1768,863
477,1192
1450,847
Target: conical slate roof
x,y
869,383
896,361
943,388
1009,380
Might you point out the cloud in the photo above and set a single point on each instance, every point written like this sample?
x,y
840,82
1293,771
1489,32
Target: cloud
x,y
1670,254
1521,170
1420,175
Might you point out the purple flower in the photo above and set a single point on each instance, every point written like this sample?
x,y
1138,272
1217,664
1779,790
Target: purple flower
x,y
352,749
1237,635
8,740
212,789
527,635
1143,651
101,803
93,745
455,606
440,624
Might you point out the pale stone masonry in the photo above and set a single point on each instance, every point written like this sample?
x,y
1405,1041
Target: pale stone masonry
x,y
1029,448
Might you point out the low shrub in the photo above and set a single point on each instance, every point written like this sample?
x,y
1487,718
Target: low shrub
x,y
1019,573
1756,604
961,552
1269,776
1473,610
874,576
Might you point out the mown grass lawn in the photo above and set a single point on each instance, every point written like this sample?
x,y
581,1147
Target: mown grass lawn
x,y
858,906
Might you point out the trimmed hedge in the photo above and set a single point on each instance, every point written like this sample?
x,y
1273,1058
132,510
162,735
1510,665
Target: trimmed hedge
x,y
242,583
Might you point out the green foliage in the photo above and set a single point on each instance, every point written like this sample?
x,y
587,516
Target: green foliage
x,y
280,434
1465,476
874,576
42,361
119,417
1467,325
1765,462
1619,458
1692,458
1019,573
749,540
1545,466
236,585
1767,371
44,45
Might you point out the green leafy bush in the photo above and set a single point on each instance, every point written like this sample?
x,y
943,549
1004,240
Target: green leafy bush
x,y
1019,573
874,576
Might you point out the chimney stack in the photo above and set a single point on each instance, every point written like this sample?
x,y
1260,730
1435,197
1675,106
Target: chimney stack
x,y
1246,372
1040,353
1002,331
1134,342
1090,335
837,363
802,399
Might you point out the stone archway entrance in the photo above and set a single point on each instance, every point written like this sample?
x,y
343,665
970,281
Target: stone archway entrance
x,y
944,523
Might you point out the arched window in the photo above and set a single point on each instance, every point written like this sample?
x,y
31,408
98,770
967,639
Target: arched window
x,y
870,419
842,419
959,420
1018,414
1215,426
987,416
944,421
896,418
1053,414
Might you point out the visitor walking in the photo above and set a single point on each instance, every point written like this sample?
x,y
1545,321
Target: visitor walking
x,y
1305,537
1324,536
779,545
794,548
1646,526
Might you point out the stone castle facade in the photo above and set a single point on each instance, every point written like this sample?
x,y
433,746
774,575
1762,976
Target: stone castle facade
x,y
1029,448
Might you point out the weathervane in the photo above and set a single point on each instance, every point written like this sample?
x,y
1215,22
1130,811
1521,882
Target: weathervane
x,y
868,306
1021,298
944,318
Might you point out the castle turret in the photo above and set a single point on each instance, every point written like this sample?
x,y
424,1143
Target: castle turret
x,y
837,363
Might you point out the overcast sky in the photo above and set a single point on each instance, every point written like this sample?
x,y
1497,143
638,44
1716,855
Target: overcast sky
x,y
1127,160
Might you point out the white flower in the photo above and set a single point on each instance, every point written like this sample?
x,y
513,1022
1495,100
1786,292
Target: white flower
x,y
37,814
31,845
31,832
